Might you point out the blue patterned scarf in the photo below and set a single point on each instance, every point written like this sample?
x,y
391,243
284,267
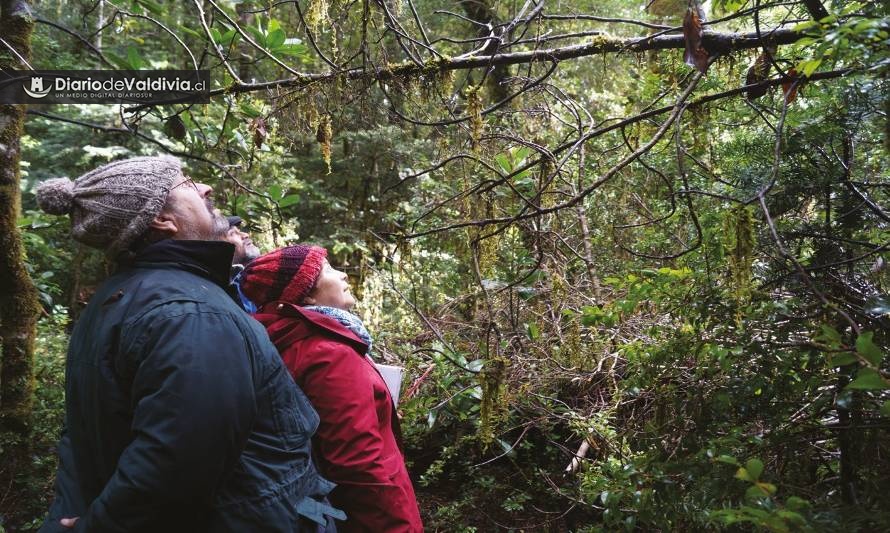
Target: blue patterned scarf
x,y
349,321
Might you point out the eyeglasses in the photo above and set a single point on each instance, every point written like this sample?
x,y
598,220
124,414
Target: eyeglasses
x,y
186,180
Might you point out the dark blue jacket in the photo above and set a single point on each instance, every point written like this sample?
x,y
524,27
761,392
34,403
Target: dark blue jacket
x,y
180,414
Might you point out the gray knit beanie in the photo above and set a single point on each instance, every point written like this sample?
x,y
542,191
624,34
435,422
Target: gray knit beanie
x,y
113,205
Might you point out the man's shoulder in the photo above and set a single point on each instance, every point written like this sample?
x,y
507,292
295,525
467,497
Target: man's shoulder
x,y
157,293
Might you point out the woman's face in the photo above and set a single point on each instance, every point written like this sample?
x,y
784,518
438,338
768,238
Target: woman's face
x,y
331,289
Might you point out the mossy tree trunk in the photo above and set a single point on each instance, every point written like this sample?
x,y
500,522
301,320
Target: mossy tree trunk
x,y
19,306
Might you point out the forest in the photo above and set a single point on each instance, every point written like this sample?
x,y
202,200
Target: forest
x,y
631,253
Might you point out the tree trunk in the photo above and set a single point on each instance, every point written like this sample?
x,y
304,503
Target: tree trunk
x,y
19,307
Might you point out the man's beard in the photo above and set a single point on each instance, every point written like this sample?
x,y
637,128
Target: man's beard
x,y
220,223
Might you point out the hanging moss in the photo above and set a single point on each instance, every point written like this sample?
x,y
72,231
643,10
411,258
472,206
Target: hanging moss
x,y
738,243
324,134
491,381
474,110
317,14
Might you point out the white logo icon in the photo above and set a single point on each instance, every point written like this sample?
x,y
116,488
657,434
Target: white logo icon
x,y
37,90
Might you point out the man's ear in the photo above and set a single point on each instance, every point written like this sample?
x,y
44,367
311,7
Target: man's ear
x,y
165,223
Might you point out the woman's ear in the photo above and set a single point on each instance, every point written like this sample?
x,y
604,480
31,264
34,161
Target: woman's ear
x,y
309,300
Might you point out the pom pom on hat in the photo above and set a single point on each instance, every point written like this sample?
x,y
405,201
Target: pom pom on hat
x,y
112,206
56,196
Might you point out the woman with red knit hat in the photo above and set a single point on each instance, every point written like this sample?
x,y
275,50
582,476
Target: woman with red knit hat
x,y
304,304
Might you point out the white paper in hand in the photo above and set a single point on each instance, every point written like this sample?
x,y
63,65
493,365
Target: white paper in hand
x,y
392,375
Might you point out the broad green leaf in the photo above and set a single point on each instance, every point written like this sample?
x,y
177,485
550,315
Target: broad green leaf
x,y
216,35
867,348
795,503
804,26
728,459
742,474
754,468
227,38
885,409
842,359
476,365
192,32
291,49
258,36
249,109
275,191
275,39
829,335
289,200
808,66
756,492
133,58
868,379
274,25
152,6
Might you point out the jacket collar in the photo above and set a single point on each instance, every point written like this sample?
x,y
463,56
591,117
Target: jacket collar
x,y
208,259
319,320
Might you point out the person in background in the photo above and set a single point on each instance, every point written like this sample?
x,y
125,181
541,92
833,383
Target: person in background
x,y
180,415
305,303
245,250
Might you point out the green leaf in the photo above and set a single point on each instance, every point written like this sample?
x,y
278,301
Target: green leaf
x,y
728,459
275,191
249,109
258,36
533,331
192,32
867,349
152,6
275,39
885,409
289,200
292,49
133,58
274,24
795,503
119,61
227,38
742,474
868,379
754,468
842,359
808,66
216,35
756,492
829,335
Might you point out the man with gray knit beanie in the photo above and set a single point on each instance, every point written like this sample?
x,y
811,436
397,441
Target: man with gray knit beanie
x,y
180,414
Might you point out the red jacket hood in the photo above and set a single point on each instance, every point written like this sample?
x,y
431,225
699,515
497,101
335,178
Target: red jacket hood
x,y
277,317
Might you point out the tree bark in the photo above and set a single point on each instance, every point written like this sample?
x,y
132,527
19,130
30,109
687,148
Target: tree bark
x,y
19,306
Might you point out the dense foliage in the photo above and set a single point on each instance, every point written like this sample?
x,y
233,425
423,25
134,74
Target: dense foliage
x,y
628,295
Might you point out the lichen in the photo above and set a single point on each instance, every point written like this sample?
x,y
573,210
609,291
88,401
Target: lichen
x,y
324,134
474,110
738,242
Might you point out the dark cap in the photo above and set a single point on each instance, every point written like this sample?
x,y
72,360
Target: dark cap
x,y
234,221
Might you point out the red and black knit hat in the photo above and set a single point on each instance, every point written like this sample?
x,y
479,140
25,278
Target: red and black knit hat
x,y
287,274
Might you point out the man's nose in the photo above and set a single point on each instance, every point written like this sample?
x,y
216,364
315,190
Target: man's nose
x,y
203,189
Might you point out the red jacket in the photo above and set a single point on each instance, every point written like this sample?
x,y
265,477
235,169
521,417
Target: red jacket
x,y
356,444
